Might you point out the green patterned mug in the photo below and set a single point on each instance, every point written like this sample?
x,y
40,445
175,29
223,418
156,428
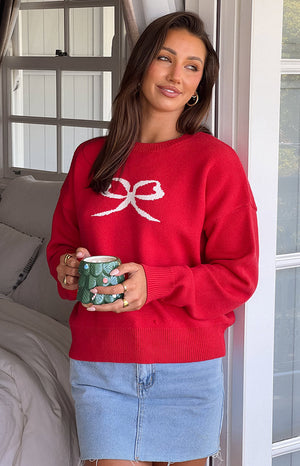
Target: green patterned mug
x,y
95,271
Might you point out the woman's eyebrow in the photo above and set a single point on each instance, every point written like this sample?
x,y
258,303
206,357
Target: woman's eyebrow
x,y
175,53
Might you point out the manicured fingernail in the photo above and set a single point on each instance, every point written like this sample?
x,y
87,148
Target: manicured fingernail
x,y
105,280
79,254
94,290
92,308
115,272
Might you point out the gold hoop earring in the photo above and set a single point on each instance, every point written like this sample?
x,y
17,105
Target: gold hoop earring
x,y
194,100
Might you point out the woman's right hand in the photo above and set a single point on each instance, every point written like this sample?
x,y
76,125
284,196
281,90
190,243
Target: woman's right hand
x,y
67,269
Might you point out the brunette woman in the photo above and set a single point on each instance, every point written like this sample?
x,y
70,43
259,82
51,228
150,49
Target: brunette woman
x,y
174,204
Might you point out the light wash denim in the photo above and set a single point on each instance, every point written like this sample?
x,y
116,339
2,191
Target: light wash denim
x,y
148,412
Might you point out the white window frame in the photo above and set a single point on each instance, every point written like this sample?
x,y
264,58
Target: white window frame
x,y
114,64
263,147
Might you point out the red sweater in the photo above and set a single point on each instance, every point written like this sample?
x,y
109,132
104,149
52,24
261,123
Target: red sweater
x,y
184,210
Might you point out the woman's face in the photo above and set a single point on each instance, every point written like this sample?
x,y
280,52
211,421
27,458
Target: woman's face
x,y
174,74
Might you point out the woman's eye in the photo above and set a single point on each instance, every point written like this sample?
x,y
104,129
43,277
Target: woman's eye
x,y
163,58
192,67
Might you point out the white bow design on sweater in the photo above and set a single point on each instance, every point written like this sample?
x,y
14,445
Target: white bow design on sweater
x,y
131,197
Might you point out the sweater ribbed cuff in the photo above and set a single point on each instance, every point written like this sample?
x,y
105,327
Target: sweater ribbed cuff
x,y
160,281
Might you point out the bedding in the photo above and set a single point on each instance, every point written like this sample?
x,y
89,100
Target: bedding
x,y
37,422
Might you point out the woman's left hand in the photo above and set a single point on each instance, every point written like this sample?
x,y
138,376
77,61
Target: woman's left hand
x,y
134,289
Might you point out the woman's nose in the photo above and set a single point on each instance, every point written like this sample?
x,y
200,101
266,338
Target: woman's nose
x,y
174,74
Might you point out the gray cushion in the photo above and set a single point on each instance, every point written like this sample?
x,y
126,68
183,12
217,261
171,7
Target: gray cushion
x,y
39,291
18,252
28,205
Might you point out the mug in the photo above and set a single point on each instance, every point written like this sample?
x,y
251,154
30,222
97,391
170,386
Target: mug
x,y
92,271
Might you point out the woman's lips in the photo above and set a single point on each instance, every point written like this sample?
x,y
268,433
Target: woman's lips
x,y
169,91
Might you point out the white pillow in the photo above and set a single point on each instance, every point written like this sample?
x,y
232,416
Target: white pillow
x,y
17,252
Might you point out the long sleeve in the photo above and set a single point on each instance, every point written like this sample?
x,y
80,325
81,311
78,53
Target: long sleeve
x,y
65,236
227,273
227,278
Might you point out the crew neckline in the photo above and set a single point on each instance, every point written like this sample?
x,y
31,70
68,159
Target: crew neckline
x,y
146,146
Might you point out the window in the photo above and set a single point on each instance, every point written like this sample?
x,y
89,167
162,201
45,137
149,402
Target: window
x,y
59,80
286,399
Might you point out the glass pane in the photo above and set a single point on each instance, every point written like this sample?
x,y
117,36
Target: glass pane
x,y
86,95
34,146
42,32
288,234
72,137
33,93
286,401
91,31
291,29
287,460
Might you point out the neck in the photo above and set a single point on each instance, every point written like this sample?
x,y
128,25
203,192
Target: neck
x,y
158,128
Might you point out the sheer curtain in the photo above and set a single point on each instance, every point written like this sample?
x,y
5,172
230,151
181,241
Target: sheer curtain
x,y
139,13
8,15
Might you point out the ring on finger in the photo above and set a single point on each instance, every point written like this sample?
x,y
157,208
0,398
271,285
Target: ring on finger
x,y
65,280
124,287
125,303
67,257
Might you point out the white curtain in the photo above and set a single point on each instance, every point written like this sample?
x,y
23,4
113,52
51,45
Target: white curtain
x,y
139,13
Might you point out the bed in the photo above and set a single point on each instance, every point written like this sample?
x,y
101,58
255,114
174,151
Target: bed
x,y
37,420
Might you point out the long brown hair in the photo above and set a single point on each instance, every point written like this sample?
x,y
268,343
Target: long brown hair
x,y
124,127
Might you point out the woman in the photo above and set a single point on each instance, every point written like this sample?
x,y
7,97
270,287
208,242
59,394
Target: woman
x,y
174,204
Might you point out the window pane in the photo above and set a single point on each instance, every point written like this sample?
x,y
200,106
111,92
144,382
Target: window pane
x,y
288,236
86,95
291,29
72,137
287,460
91,31
41,32
33,93
286,403
34,146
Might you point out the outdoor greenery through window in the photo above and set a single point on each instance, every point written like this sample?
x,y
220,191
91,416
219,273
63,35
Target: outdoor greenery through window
x,y
60,76
291,29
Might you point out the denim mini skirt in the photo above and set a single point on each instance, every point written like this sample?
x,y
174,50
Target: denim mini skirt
x,y
148,412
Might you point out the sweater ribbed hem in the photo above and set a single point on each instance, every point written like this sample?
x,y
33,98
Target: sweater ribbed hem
x,y
148,345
